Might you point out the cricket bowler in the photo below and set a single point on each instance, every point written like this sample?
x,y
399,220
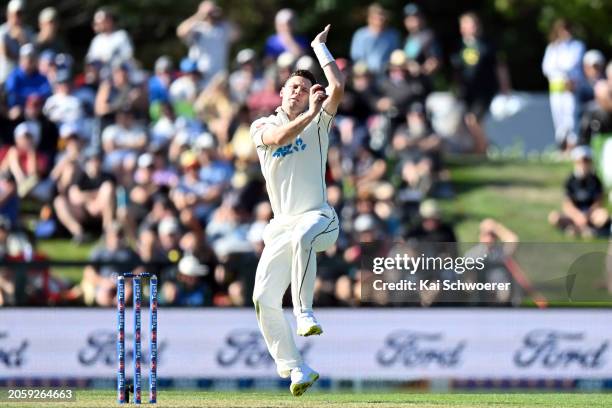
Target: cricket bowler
x,y
292,148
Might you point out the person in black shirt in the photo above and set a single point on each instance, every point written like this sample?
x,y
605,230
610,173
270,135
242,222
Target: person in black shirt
x,y
582,212
92,196
479,74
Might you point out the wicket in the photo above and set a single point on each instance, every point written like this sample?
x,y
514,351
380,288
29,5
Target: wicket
x,y
122,390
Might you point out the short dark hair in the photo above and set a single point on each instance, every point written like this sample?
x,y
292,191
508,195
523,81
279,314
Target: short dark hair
x,y
304,73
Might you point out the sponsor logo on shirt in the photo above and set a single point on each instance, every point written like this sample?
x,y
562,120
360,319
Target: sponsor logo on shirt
x,y
290,148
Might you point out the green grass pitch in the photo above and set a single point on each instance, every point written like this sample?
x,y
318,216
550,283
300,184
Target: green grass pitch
x,y
318,399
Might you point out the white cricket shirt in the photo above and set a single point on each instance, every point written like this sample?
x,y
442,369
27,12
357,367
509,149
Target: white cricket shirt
x,y
295,172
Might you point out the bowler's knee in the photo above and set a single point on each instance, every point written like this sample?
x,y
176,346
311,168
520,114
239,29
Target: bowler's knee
x,y
301,240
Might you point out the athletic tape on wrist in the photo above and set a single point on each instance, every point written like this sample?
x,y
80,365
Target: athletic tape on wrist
x,y
323,54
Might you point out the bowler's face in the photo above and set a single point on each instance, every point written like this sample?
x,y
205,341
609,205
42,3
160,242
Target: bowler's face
x,y
295,93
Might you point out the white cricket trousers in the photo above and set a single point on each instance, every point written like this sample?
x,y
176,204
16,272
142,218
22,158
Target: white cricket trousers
x,y
289,257
563,110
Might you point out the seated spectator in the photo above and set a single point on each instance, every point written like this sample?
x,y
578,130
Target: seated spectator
x,y
63,107
216,108
421,48
418,150
185,89
285,39
264,101
191,195
400,89
87,84
583,212
9,199
119,93
27,165
374,43
189,288
360,95
110,44
159,85
431,228
48,37
246,79
99,284
169,234
46,133
124,138
25,80
14,33
598,119
593,68
91,197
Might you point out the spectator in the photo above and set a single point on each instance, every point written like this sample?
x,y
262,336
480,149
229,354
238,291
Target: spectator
x,y
24,81
418,149
110,45
14,34
400,89
374,43
582,211
215,108
99,282
159,85
27,165
92,196
593,68
598,118
48,37
119,93
45,132
9,199
562,66
480,75
7,275
246,79
421,48
497,246
431,228
123,139
67,169
285,39
189,289
63,107
184,90
208,37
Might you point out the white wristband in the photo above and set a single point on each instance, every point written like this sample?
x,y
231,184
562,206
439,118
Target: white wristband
x,y
323,54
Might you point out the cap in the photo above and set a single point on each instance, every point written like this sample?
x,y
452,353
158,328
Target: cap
x,y
14,6
429,209
62,76
285,60
69,129
92,153
145,160
188,66
122,65
23,129
47,14
188,159
168,225
284,16
411,9
360,68
163,64
582,152
397,58
27,50
48,55
191,266
205,141
364,222
416,107
593,57
245,55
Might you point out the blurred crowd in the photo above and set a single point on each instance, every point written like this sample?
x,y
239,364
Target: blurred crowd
x,y
157,165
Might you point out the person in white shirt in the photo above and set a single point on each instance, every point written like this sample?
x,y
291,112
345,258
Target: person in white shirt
x,y
208,37
110,45
562,65
292,148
